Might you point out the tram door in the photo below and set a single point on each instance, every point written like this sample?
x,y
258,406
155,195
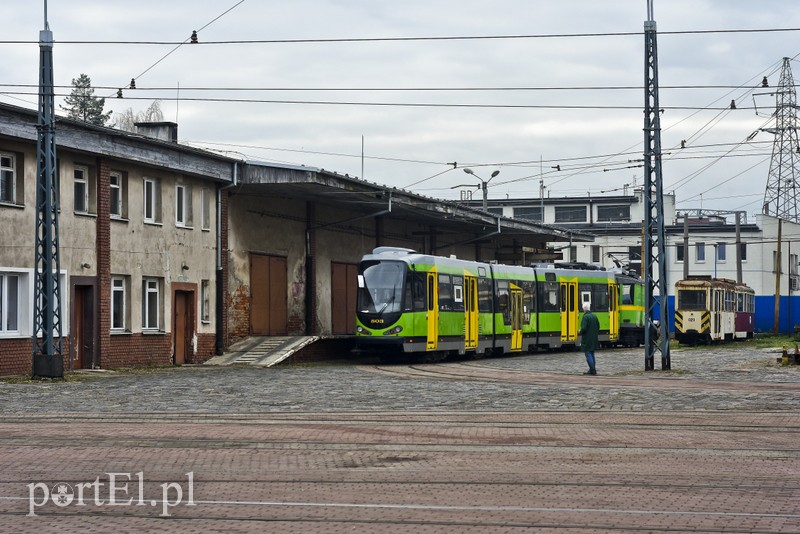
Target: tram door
x,y
569,310
613,311
432,315
471,312
516,318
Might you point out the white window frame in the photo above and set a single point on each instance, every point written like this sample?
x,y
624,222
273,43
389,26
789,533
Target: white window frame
x,y
149,200
6,170
205,207
118,285
80,175
721,252
115,188
700,253
680,253
151,287
183,205
4,303
205,301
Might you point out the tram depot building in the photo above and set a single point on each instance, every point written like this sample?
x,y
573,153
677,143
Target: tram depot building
x,y
169,254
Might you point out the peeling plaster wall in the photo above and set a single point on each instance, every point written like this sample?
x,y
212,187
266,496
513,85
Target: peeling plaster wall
x,y
262,225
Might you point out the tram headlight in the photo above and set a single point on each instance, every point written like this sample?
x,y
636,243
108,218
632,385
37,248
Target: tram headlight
x,y
393,331
360,330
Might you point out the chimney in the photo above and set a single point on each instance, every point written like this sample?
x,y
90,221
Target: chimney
x,y
165,131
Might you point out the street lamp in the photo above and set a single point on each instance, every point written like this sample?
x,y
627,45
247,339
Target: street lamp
x,y
484,185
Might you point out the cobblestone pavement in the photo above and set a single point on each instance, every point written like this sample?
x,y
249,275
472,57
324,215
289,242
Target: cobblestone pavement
x,y
496,445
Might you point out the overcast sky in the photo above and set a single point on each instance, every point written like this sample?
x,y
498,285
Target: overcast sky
x,y
521,105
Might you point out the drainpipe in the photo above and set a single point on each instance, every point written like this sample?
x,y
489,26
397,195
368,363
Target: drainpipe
x,y
220,298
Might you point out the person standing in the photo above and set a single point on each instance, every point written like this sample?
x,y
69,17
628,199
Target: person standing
x,y
590,328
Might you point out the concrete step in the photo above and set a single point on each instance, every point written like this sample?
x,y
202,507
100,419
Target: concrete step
x,y
262,351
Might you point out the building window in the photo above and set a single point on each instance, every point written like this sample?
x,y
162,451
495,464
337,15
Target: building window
x,y
81,189
595,253
529,214
613,213
679,253
152,201
8,178
566,214
151,304
9,303
118,183
205,299
793,264
118,303
700,252
743,251
183,205
205,201
571,253
721,252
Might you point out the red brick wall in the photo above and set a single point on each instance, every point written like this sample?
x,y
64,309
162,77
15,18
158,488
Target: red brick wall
x,y
103,252
132,350
16,356
206,346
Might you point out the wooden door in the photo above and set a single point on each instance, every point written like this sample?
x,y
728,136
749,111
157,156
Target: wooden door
x,y
268,295
344,280
183,326
83,321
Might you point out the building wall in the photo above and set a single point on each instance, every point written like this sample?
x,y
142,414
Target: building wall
x,y
94,246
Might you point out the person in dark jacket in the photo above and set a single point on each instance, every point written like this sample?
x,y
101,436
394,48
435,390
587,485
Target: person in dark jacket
x,y
590,327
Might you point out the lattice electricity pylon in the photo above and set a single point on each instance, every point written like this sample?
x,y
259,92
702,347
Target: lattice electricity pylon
x,y
654,260
780,197
47,350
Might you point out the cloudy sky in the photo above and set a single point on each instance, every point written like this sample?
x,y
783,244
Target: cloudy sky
x,y
519,86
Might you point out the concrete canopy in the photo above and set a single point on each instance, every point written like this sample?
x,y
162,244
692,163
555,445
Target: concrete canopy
x,y
455,223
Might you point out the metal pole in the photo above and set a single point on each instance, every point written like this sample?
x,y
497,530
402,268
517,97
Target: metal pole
x,y
738,248
654,261
685,246
778,280
47,350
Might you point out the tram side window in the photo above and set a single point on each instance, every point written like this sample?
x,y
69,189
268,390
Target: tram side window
x,y
484,295
503,304
548,296
458,293
414,298
528,299
690,299
445,293
627,294
600,297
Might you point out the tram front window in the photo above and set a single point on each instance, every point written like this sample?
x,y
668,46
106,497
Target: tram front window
x,y
380,287
691,299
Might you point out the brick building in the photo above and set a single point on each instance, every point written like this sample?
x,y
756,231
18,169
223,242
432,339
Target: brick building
x,y
169,253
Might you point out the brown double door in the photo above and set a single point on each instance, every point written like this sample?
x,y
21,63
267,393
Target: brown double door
x,y
268,298
344,279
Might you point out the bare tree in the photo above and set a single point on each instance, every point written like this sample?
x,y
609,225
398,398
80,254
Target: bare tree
x,y
126,120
